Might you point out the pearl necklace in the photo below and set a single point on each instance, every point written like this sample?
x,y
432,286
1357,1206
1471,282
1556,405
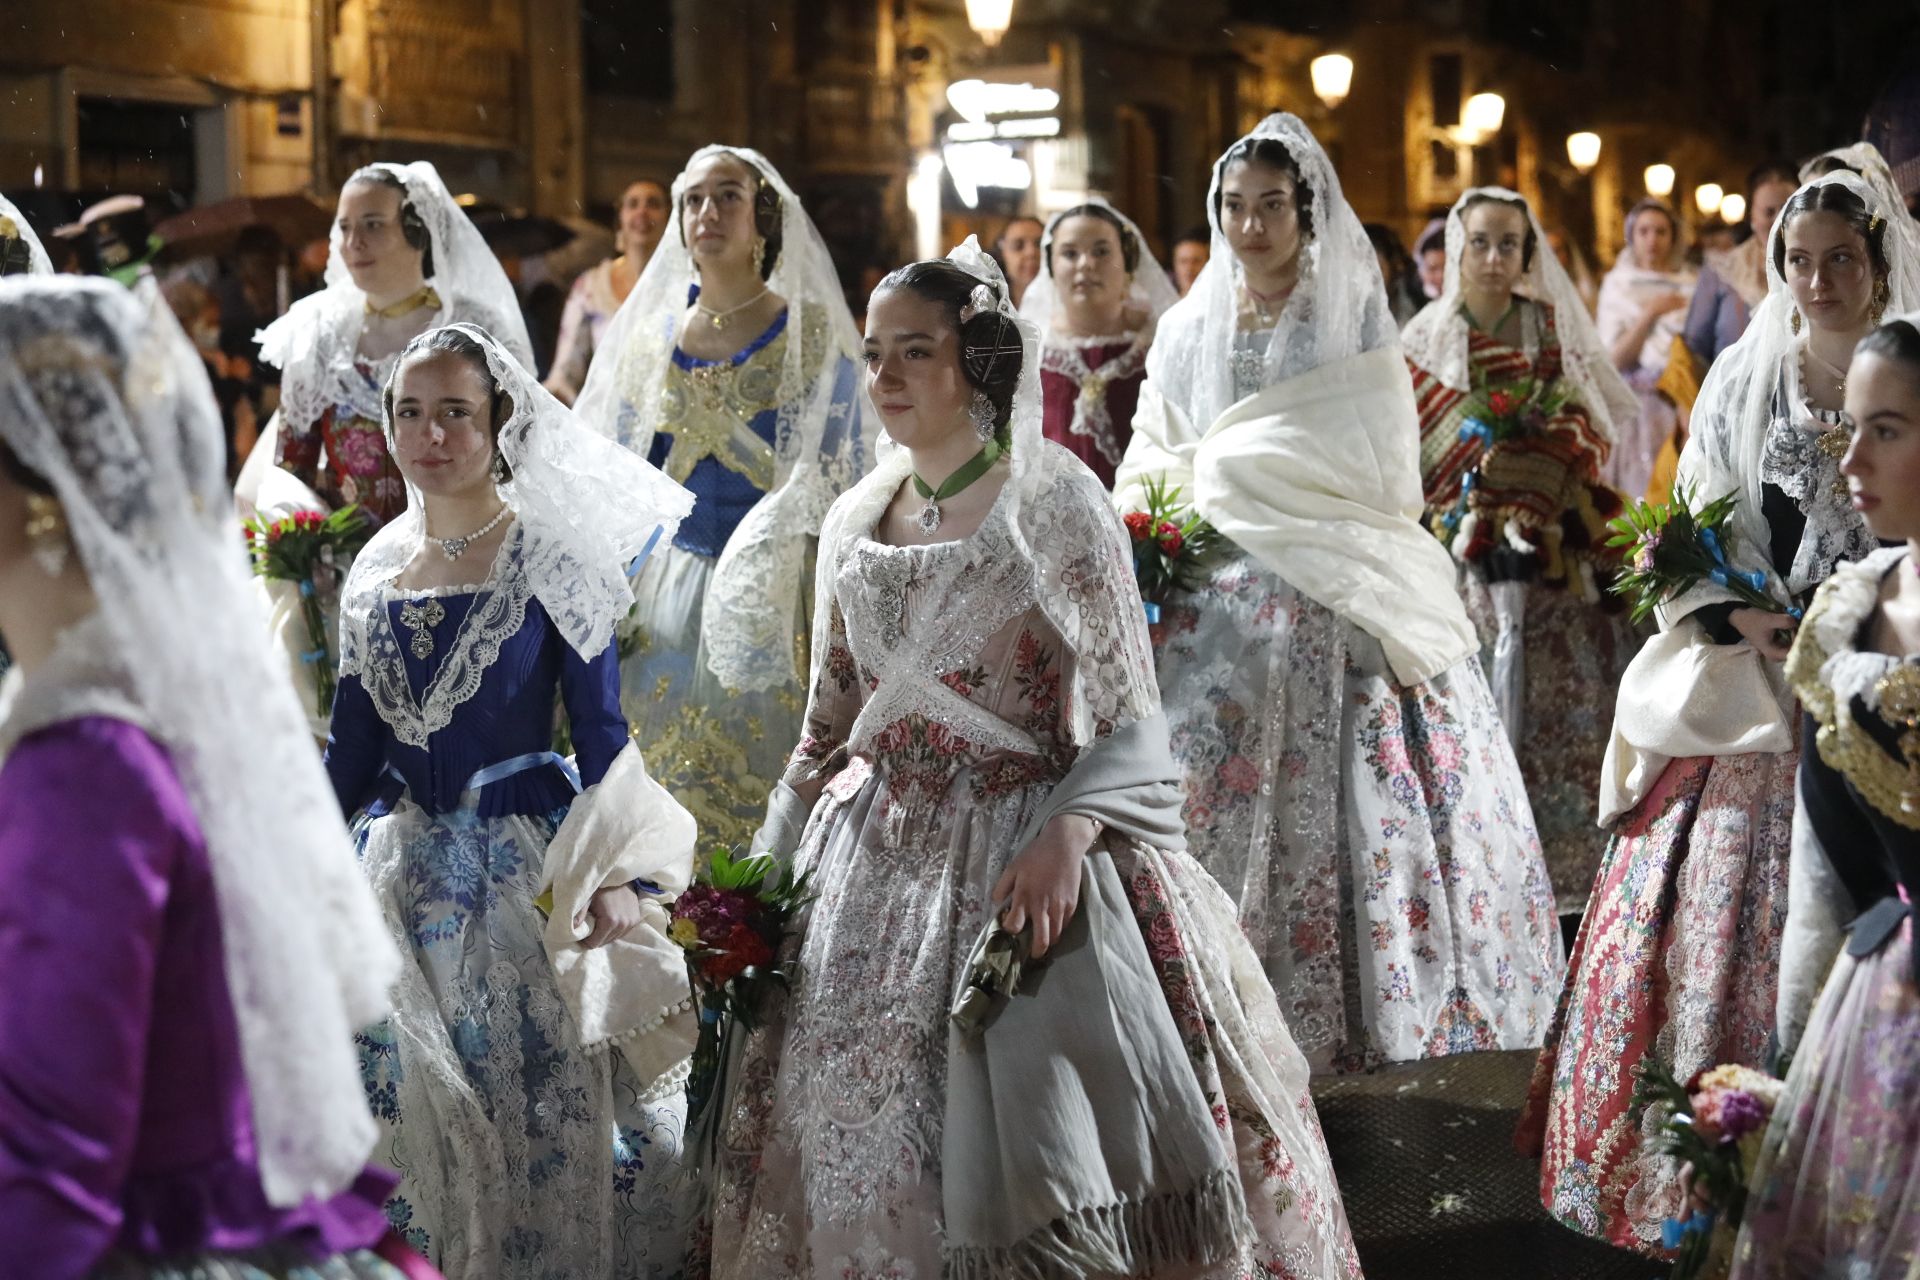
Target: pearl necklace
x,y
454,548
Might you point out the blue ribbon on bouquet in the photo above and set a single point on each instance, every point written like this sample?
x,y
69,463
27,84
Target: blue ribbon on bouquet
x,y
1673,1233
1723,574
1152,610
1475,428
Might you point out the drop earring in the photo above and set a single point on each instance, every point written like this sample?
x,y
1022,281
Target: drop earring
x,y
47,533
759,256
1793,322
980,409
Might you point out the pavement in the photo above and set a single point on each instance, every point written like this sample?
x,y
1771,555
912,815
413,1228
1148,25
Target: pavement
x,y
1433,1186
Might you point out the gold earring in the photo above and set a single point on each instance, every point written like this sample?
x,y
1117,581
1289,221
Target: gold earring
x,y
1882,295
47,533
1793,322
759,254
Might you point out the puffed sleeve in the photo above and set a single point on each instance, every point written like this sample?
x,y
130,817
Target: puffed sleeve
x,y
591,692
88,842
356,745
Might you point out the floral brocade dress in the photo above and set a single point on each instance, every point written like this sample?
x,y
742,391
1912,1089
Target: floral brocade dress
x,y
1678,957
1375,835
343,455
1090,388
1574,639
831,1150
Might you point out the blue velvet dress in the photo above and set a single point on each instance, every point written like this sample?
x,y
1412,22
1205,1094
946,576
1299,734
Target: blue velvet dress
x,y
522,1156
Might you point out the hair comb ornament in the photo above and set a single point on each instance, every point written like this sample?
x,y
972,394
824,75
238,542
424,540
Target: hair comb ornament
x,y
981,301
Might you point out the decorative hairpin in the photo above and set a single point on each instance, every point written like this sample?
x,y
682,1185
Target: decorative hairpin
x,y
982,300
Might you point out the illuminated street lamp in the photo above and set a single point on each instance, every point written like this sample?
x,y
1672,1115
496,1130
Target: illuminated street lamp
x,y
1332,76
1659,179
1733,209
1707,198
1482,115
1584,150
990,19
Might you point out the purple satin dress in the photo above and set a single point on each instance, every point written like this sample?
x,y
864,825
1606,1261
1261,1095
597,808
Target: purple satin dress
x,y
125,1122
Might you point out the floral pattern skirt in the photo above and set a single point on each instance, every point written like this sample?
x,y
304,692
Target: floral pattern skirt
x,y
522,1157
831,1145
255,1264
1376,836
1836,1191
717,750
1572,655
1678,959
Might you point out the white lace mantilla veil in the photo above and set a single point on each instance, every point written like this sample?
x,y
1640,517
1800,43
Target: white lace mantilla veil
x,y
1052,539
103,395
38,263
1864,159
820,446
1733,414
313,345
1151,289
1436,338
1337,310
584,508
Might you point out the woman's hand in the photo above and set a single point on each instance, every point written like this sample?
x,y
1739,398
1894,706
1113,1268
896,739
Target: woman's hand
x,y
1661,305
1764,630
615,912
1042,884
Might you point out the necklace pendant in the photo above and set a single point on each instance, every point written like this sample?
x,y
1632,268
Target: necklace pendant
x,y
420,617
929,517
453,548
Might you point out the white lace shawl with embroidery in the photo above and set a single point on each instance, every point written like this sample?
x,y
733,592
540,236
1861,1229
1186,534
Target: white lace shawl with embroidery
x,y
104,396
1052,539
1736,412
584,508
1337,309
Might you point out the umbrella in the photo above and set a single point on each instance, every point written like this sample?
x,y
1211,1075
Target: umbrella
x,y
215,228
512,234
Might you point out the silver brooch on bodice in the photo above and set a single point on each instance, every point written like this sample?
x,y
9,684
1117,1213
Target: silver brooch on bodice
x,y
421,617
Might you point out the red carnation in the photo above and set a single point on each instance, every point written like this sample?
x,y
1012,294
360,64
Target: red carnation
x,y
1139,525
1169,538
1503,403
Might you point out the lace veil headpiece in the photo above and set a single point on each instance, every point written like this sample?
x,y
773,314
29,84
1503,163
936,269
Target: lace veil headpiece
x,y
314,344
103,396
820,445
585,510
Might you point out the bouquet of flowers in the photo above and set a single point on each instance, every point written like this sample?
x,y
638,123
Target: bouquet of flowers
x,y
1669,547
731,922
1169,540
1715,1124
310,550
1509,409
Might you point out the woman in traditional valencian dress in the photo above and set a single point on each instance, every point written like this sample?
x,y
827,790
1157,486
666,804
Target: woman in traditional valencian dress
x,y
1641,310
730,367
1526,513
187,945
1099,295
529,1146
1347,776
984,742
1678,956
405,259
1836,1191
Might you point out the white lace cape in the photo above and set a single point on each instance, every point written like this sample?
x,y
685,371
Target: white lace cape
x,y
1436,338
584,508
316,344
1052,539
820,445
1736,410
1338,309
102,394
